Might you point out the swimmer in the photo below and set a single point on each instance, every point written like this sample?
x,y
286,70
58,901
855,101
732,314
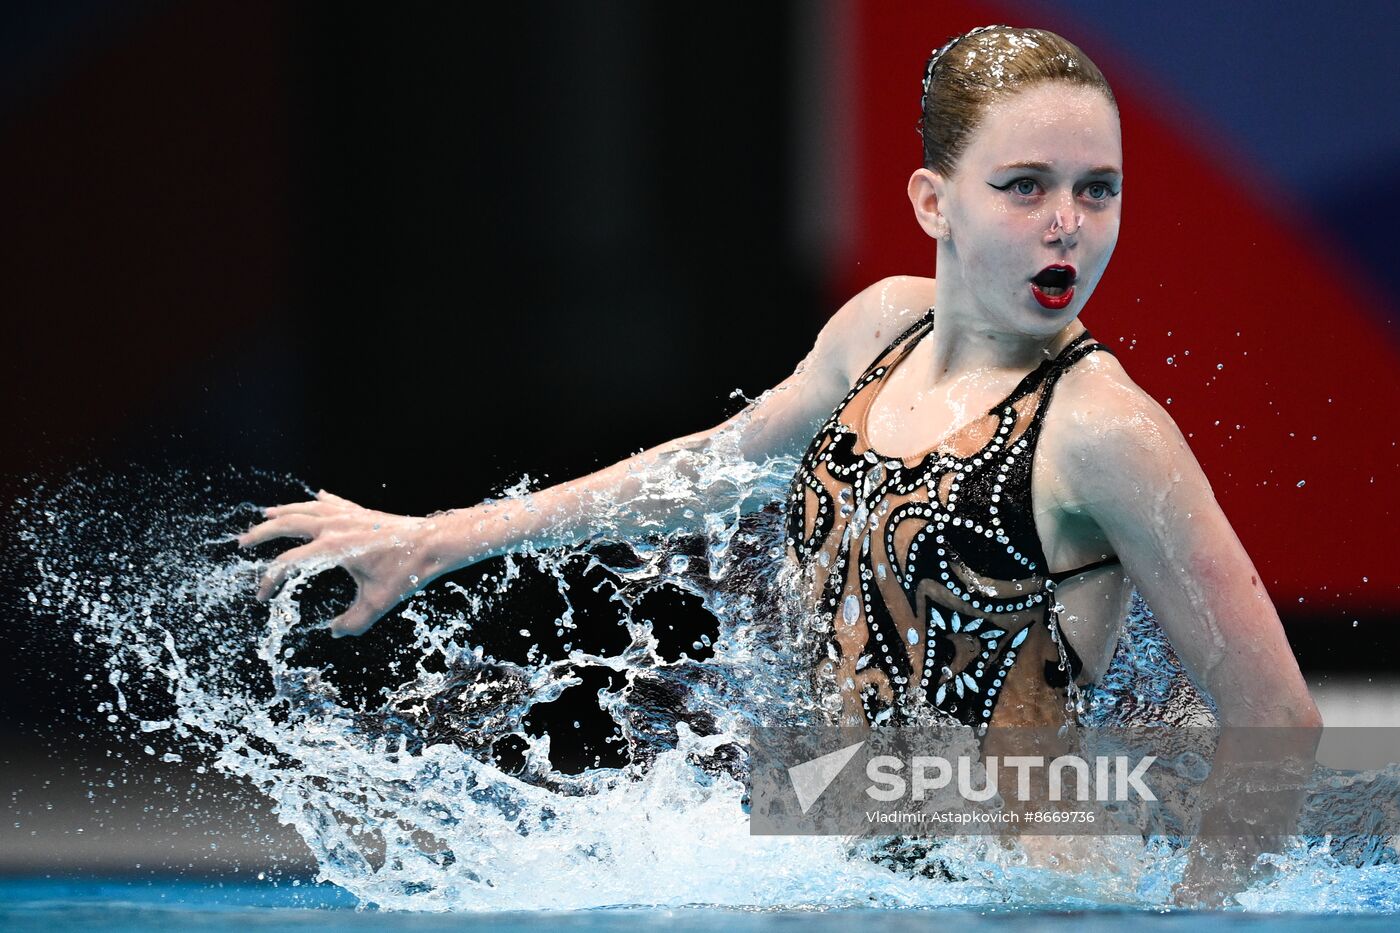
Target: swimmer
x,y
976,471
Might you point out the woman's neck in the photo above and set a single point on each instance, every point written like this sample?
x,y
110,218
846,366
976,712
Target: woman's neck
x,y
964,341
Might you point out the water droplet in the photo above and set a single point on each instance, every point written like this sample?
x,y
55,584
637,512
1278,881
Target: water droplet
x,y
1302,483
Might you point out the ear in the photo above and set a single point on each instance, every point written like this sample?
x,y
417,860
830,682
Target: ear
x,y
926,189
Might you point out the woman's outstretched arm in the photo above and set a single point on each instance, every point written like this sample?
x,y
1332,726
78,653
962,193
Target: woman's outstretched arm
x,y
391,556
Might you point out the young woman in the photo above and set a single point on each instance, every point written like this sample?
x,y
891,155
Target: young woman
x,y
978,485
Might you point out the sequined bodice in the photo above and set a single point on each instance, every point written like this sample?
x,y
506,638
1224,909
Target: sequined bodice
x,y
928,571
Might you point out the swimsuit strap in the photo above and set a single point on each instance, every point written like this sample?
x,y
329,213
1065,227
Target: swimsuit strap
x,y
925,319
1054,676
1074,351
1052,370
1069,354
1064,575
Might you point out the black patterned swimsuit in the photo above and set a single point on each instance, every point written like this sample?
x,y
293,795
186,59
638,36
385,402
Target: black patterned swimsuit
x,y
928,570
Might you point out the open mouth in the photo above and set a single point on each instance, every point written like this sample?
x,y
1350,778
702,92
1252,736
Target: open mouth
x,y
1055,280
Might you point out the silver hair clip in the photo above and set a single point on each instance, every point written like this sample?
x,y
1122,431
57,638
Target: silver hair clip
x,y
934,58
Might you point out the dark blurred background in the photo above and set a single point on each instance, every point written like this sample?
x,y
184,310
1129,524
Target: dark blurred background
x,y
410,253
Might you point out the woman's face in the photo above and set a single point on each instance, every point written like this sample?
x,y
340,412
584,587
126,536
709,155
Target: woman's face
x,y
1039,185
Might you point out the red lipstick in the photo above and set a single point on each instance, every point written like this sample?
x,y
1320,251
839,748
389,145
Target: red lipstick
x,y
1058,278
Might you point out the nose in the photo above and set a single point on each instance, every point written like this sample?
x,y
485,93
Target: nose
x,y
1060,228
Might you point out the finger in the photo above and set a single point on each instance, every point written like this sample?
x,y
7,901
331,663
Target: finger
x,y
293,508
331,498
278,571
286,526
354,621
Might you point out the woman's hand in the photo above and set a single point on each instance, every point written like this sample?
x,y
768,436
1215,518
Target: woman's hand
x,y
1217,869
385,554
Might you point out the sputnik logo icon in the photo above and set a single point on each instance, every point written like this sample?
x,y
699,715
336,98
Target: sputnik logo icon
x,y
811,778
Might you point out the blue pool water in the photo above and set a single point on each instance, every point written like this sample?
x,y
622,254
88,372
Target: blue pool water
x,y
168,904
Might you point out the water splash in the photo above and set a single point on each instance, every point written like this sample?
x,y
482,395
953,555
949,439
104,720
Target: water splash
x,y
435,775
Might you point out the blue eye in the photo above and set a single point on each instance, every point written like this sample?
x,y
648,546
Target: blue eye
x,y
1017,187
1099,192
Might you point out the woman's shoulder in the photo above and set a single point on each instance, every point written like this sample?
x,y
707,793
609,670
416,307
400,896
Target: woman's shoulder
x,y
879,314
1101,419
1097,387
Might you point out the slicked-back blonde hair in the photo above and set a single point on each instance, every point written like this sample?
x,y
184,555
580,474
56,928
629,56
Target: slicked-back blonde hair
x,y
985,65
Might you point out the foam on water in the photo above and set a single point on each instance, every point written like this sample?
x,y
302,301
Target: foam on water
x,y
433,792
